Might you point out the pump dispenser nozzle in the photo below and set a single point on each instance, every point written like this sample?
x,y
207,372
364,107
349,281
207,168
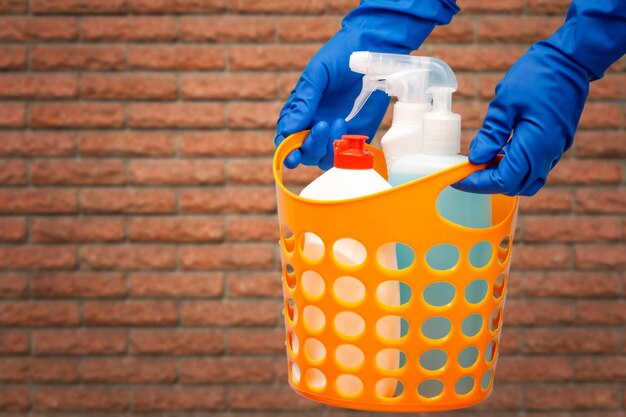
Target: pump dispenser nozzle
x,y
442,128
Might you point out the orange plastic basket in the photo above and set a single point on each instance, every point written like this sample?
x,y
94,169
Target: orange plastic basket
x,y
406,214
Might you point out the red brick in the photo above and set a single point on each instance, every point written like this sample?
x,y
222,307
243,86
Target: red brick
x,y
461,31
477,58
600,256
586,172
78,57
12,115
226,257
254,341
129,87
25,29
277,6
502,6
128,144
80,399
37,257
77,115
269,398
191,172
38,371
79,342
570,229
580,397
131,313
179,115
13,286
176,57
572,284
252,115
228,86
12,57
252,229
600,116
228,200
78,6
183,285
176,6
79,285
139,257
548,200
177,342
14,342
263,58
611,87
14,398
517,29
128,201
601,312
606,144
175,229
341,6
243,143
541,256
29,144
227,29
37,201
234,313
264,284
257,171
198,371
548,6
609,369
534,313
176,399
136,29
307,29
13,6
516,369
38,86
83,172
73,230
12,229
133,371
38,314
573,341
12,173
610,200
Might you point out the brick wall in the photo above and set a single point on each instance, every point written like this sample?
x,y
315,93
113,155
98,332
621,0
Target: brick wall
x,y
138,257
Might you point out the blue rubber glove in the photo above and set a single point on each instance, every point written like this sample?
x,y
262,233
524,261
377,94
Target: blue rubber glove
x,y
541,98
326,91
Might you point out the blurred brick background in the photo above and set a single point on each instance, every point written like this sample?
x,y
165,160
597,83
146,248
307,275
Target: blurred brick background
x,y
138,257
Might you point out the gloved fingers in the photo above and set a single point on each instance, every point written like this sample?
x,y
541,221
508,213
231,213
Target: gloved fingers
x,y
337,129
293,159
494,134
315,145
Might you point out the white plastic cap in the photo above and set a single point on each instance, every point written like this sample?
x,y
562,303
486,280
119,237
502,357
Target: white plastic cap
x,y
359,61
442,128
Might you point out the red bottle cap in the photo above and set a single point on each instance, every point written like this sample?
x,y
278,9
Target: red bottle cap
x,y
350,153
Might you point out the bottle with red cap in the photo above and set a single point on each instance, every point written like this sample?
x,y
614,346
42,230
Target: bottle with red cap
x,y
352,176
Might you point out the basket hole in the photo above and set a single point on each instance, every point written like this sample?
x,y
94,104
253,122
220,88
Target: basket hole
x,y
433,360
498,286
295,372
464,386
312,247
468,356
395,256
314,318
476,291
349,290
490,352
504,248
313,284
292,310
349,324
436,328
486,381
389,388
391,327
349,356
315,379
349,385
292,342
391,359
393,293
288,239
431,388
494,320
442,257
349,252
480,254
315,350
439,294
472,325
290,278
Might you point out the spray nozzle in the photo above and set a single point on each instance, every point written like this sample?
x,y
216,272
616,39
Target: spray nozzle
x,y
410,78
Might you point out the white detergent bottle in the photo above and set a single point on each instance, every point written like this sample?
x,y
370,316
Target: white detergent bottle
x,y
352,176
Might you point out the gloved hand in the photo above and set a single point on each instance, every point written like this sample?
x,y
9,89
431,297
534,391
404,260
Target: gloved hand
x,y
541,98
326,91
